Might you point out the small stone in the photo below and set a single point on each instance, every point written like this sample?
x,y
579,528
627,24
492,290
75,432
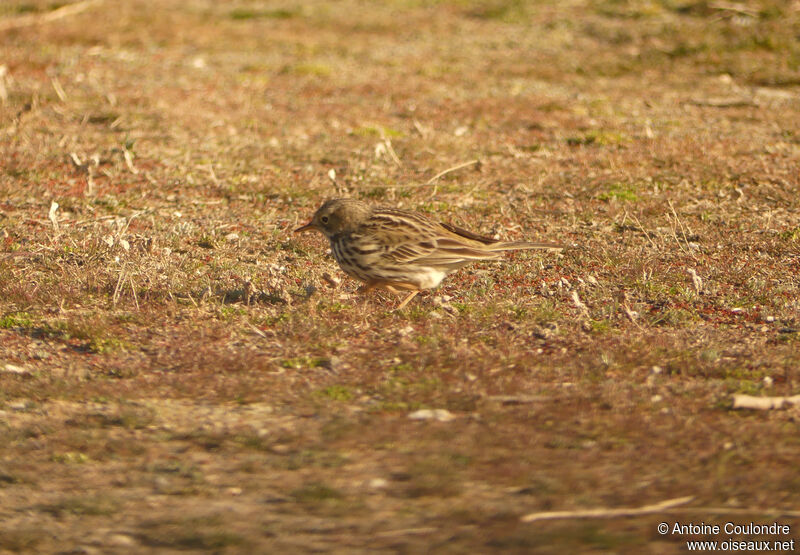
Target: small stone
x,y
656,370
121,540
769,319
768,381
378,483
14,369
656,399
441,415
234,491
230,237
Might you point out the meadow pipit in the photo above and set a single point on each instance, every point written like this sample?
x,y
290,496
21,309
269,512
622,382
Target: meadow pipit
x,y
397,249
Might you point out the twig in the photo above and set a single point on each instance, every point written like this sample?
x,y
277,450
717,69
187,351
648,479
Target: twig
x,y
608,513
133,290
736,8
680,223
765,403
631,314
192,299
687,250
38,19
129,220
129,161
59,89
94,220
52,216
421,130
211,174
118,288
257,331
3,88
448,170
675,236
635,219
392,153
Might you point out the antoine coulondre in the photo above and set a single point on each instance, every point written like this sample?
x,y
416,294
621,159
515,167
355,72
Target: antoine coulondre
x,y
749,529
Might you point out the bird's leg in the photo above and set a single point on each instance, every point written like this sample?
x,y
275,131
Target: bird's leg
x,y
366,288
407,299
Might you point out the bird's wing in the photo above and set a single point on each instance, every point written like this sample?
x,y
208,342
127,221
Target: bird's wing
x,y
454,249
398,245
468,234
409,238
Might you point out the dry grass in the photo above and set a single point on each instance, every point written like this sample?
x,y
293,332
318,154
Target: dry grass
x,y
176,373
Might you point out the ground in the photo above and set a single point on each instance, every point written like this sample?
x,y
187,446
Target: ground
x,y
179,371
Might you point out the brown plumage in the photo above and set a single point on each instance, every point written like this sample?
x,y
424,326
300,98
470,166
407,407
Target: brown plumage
x,y
398,249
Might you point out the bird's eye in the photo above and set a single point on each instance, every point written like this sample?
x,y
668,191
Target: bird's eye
x,y
324,219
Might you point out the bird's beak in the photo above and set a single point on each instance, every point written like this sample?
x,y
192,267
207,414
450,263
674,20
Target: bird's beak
x,y
309,225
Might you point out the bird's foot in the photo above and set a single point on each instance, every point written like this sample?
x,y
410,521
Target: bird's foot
x,y
407,300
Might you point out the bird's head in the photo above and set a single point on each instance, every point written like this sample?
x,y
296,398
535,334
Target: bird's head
x,y
338,215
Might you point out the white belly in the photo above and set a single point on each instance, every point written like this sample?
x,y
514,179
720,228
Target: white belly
x,y
430,278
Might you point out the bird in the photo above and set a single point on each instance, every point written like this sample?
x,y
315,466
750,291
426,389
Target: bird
x,y
397,249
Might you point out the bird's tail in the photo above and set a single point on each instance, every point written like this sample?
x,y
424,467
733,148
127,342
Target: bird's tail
x,y
524,245
499,246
